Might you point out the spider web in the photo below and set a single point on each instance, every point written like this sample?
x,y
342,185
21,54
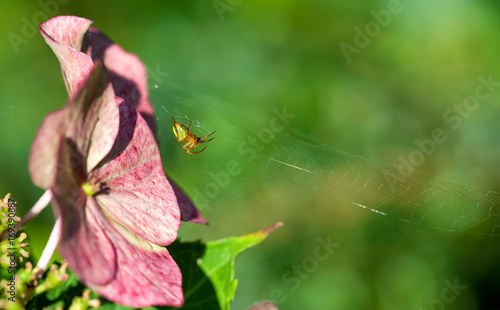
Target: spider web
x,y
383,189
313,169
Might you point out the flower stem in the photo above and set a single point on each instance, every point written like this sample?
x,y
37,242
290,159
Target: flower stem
x,y
47,253
37,208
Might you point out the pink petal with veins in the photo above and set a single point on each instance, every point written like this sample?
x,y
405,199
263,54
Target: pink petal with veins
x,y
43,152
67,30
79,120
64,34
103,129
140,196
152,279
84,243
127,73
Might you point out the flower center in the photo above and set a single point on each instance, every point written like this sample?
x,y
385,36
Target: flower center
x,y
92,187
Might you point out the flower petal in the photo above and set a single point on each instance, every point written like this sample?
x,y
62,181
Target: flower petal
x,y
44,149
85,116
139,196
79,120
128,74
189,213
94,113
64,34
67,30
84,243
146,274
85,246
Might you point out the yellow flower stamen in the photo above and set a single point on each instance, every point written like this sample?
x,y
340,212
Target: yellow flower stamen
x,y
91,188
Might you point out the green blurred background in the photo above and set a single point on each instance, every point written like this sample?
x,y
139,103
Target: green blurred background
x,y
230,65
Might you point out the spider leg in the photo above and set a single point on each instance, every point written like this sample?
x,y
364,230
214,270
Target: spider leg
x,y
196,152
189,145
207,136
189,125
207,140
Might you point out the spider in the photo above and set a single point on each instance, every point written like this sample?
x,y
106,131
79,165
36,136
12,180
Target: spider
x,y
189,139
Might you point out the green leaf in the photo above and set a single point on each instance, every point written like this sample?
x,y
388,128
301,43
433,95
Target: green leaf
x,y
207,271
218,262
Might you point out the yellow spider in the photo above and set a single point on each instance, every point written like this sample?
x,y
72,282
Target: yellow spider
x,y
189,139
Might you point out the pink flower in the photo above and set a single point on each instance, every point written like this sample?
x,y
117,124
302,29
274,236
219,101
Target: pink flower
x,y
77,46
99,157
